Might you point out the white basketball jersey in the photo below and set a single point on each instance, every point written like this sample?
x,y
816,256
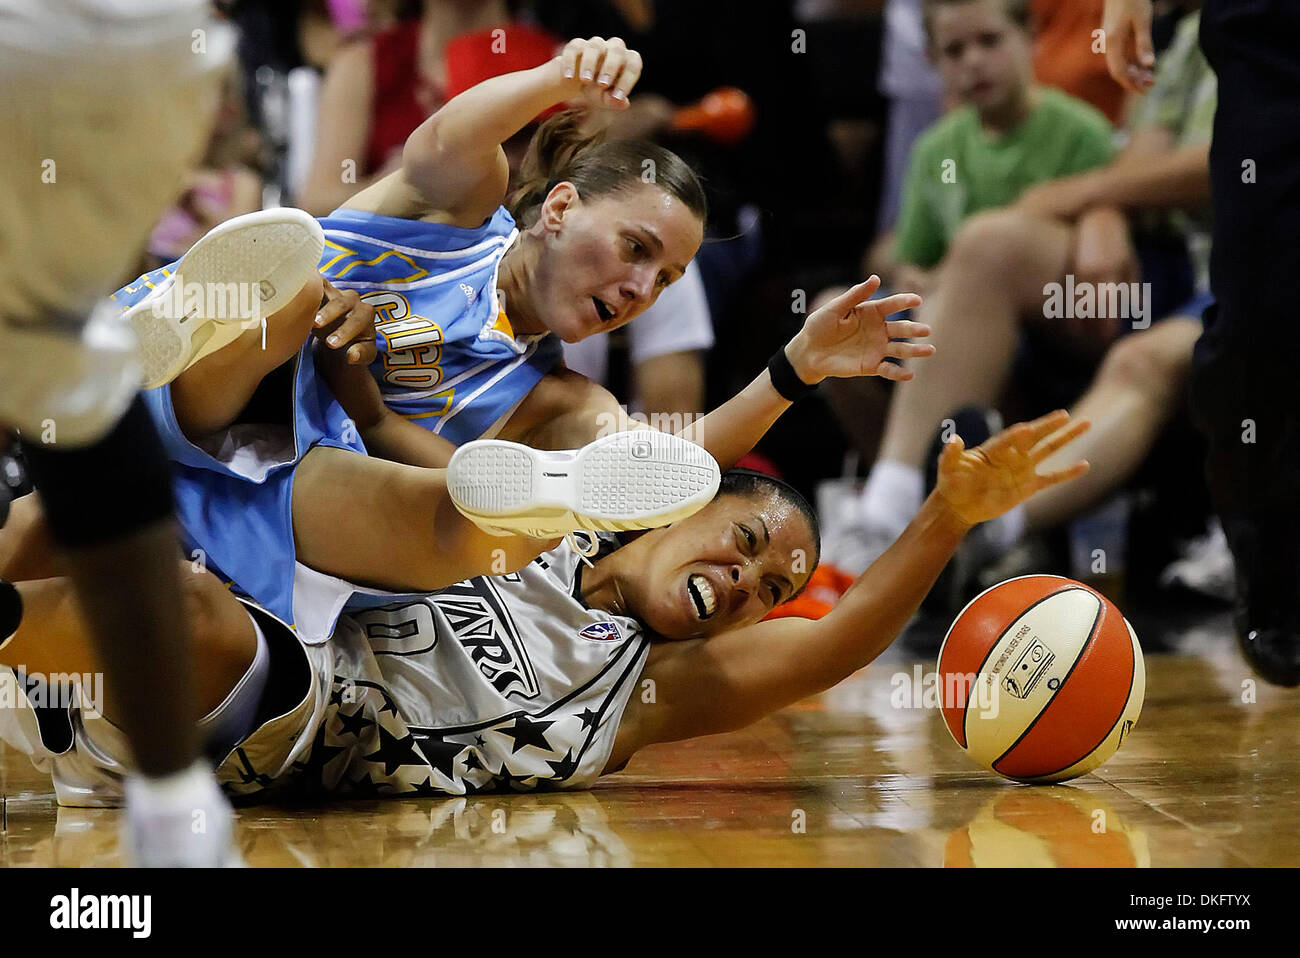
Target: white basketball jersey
x,y
498,682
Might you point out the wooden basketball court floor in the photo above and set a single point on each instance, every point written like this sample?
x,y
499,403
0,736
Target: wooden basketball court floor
x,y
1208,778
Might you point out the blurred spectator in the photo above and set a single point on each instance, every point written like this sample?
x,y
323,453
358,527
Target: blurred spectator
x,y
997,322
378,89
1009,134
226,183
1005,133
915,92
1067,56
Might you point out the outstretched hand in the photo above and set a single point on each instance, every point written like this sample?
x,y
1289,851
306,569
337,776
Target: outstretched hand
x,y
850,336
981,483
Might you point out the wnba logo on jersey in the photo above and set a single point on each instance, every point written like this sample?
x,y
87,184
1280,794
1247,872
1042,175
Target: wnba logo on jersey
x,y
600,631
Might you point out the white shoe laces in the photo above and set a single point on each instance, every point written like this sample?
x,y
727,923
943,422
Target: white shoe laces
x,y
584,552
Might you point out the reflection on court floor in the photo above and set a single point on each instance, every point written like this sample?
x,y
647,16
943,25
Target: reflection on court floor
x,y
844,779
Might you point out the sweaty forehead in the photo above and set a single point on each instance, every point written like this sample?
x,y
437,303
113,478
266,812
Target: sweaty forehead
x,y
788,528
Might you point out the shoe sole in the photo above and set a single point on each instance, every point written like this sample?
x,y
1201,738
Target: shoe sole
x,y
631,480
276,251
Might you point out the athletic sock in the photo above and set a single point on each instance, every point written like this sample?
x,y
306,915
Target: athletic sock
x,y
178,820
191,788
892,497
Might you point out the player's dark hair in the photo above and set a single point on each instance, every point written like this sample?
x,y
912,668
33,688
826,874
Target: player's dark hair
x,y
1017,11
561,152
747,483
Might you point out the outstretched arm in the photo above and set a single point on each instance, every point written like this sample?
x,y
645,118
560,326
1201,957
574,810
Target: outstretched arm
x,y
731,680
850,336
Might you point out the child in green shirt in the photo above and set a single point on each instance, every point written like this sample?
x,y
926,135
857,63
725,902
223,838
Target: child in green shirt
x,y
1007,134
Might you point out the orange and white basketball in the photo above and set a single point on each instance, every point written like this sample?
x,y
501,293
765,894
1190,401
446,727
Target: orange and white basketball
x,y
1051,674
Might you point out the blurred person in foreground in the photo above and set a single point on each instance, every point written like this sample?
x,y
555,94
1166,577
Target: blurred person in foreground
x,y
100,171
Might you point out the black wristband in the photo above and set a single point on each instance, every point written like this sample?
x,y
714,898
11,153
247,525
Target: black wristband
x,y
785,379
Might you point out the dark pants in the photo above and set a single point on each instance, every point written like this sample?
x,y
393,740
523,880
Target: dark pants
x,y
1245,386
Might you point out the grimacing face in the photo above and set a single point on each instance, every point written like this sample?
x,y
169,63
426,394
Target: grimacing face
x,y
724,567
605,261
981,55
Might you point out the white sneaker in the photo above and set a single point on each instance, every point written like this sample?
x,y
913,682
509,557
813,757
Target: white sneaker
x,y
182,822
630,480
244,270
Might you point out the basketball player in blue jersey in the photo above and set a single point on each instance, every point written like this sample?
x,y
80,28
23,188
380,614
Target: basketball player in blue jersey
x,y
536,679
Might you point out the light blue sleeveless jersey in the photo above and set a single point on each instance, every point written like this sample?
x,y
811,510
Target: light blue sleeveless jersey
x,y
448,359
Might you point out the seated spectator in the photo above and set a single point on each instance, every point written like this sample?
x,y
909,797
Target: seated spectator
x,y
997,295
1004,133
1007,134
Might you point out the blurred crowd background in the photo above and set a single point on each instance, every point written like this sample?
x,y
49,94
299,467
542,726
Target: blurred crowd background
x,y
820,128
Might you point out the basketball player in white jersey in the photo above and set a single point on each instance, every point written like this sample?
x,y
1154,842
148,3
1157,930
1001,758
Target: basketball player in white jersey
x,y
104,105
557,674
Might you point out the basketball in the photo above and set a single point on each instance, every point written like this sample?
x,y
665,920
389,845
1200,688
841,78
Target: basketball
x,y
1043,679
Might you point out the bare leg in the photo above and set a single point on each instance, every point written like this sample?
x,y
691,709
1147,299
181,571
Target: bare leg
x,y
392,526
54,638
1139,386
993,276
208,395
142,565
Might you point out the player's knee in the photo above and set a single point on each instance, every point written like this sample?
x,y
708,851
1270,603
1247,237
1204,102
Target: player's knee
x,y
990,240
1147,362
296,320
